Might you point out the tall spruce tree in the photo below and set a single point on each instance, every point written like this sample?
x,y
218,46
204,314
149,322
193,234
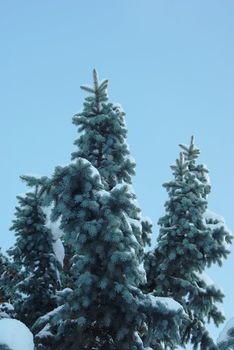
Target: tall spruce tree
x,y
105,234
34,255
216,223
106,309
185,247
103,136
102,141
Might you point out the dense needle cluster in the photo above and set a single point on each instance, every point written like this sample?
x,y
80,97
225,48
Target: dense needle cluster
x,y
78,275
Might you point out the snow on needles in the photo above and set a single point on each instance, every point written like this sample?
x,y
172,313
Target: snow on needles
x,y
168,303
15,335
56,233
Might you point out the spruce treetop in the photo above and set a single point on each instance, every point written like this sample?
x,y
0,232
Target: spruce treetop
x,y
191,152
103,134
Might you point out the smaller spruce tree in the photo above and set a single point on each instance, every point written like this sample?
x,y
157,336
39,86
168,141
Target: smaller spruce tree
x,y
33,254
184,248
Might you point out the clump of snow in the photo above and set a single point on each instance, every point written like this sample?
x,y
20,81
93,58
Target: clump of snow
x,y
53,226
7,306
142,270
15,335
94,170
223,336
50,314
130,190
148,219
131,159
168,303
59,251
56,233
210,215
45,332
205,278
216,222
104,193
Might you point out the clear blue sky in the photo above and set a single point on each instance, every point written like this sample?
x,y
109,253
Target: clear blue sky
x,y
170,64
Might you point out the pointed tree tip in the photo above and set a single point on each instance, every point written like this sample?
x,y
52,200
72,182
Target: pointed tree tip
x,y
95,73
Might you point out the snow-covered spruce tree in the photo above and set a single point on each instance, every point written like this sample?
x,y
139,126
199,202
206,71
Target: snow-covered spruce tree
x,y
106,309
103,136
102,141
184,247
216,223
200,171
33,253
221,235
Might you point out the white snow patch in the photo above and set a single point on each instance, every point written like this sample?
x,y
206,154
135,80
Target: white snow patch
x,y
215,222
59,251
130,158
147,219
15,335
51,314
104,193
205,278
117,105
57,233
7,306
210,215
136,223
44,333
169,303
53,226
94,170
142,270
130,190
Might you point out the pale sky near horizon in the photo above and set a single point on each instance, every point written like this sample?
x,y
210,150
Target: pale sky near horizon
x,y
171,66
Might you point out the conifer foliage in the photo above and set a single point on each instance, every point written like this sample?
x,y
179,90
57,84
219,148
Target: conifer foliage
x,y
186,245
102,141
33,254
102,310
102,225
113,296
103,134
